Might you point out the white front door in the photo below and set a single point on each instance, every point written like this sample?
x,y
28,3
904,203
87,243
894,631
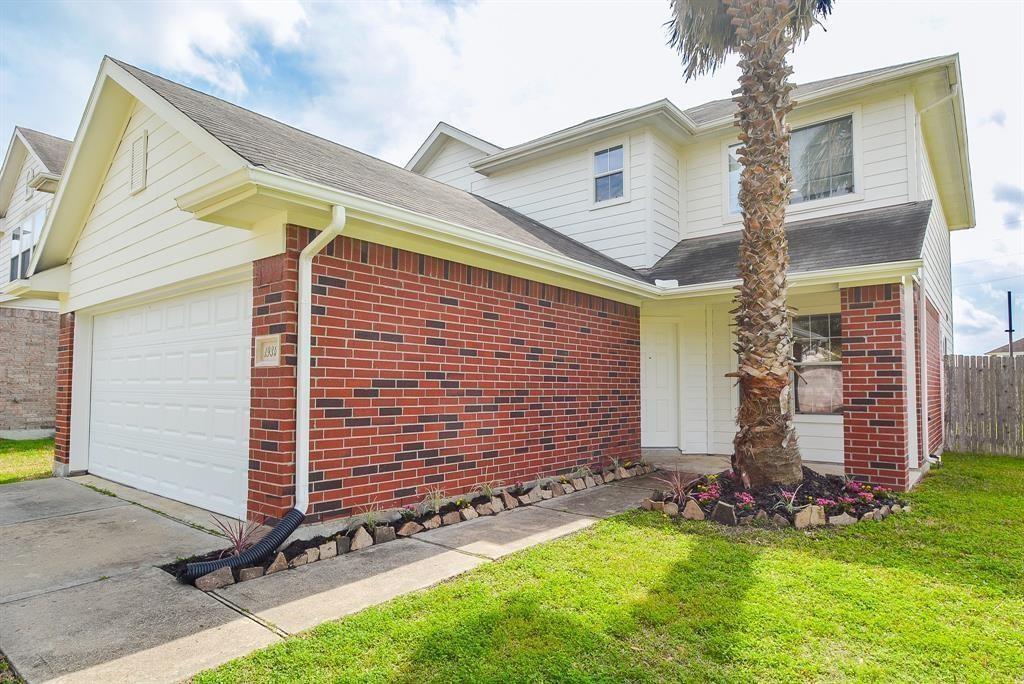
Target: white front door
x,y
170,397
659,406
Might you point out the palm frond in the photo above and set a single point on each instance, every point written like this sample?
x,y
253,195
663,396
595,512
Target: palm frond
x,y
702,32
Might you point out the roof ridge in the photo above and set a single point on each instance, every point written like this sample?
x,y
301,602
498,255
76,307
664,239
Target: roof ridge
x,y
38,132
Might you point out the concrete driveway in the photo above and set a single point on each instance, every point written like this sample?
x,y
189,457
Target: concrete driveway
x,y
82,598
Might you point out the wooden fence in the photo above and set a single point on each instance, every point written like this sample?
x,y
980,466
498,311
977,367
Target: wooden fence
x,y
984,404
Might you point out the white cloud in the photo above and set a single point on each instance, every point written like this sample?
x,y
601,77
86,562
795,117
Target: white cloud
x,y
377,76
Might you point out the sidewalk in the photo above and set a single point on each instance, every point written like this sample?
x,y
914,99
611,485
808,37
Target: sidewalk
x,y
141,626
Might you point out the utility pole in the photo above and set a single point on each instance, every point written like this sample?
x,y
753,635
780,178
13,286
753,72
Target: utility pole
x,y
1009,320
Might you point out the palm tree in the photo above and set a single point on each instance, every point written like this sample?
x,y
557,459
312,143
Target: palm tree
x,y
763,32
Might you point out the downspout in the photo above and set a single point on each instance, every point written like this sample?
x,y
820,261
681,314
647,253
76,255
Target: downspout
x,y
293,518
324,238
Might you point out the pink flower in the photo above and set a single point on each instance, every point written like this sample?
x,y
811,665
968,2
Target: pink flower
x,y
847,500
824,502
745,500
867,496
853,486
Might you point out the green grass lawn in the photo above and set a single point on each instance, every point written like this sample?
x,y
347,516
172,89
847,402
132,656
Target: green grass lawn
x,y
935,595
27,459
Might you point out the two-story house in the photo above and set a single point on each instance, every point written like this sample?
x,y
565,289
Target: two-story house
x,y
28,326
254,318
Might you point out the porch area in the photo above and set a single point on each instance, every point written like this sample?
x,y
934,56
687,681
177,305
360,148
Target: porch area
x,y
702,464
857,397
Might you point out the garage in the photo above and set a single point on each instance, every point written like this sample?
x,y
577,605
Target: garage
x,y
169,405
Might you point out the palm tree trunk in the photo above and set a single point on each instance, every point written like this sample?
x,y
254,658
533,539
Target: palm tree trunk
x,y
765,450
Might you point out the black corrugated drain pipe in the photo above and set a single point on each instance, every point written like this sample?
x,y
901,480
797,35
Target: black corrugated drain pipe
x,y
260,550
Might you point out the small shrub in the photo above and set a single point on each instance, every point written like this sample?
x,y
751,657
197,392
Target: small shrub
x,y
241,534
675,484
371,514
487,489
434,499
789,500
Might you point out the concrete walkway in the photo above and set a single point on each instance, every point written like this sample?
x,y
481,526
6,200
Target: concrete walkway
x,y
82,598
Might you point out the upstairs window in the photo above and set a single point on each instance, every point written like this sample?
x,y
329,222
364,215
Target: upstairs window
x,y
609,174
23,240
818,350
821,159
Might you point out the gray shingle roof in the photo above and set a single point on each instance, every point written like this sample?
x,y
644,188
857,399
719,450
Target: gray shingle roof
x,y
278,147
50,149
872,236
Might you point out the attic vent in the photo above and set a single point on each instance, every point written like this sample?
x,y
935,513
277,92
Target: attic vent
x,y
139,162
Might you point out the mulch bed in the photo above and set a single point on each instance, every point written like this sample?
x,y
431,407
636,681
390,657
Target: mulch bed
x,y
835,495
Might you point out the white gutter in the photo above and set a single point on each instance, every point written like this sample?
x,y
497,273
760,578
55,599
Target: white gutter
x,y
324,238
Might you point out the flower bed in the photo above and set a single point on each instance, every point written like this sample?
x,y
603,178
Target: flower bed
x,y
377,527
818,500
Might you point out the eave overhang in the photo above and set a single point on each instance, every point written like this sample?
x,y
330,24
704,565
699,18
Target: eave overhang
x,y
48,284
252,197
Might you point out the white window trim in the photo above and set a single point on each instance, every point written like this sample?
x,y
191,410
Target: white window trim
x,y
814,205
591,176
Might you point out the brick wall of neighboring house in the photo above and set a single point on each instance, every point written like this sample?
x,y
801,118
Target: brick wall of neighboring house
x,y
65,355
933,368
28,368
875,430
433,374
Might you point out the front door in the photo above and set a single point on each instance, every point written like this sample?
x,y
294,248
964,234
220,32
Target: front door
x,y
659,408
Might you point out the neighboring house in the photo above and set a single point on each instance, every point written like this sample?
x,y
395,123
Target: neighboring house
x,y
28,326
569,309
1018,349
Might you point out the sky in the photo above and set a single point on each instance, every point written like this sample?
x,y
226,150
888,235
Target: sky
x,y
378,76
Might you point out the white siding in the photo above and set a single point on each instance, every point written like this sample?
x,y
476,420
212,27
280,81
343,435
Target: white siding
x,y
693,392
725,397
664,204
132,243
880,138
451,164
557,191
937,277
22,207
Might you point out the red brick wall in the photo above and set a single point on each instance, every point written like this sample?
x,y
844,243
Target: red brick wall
x,y
875,430
65,356
429,373
934,372
272,390
28,368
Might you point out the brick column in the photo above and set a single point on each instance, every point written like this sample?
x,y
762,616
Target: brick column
x,y
272,390
62,418
875,425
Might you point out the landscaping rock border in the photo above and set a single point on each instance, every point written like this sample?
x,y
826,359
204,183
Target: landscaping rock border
x,y
360,534
805,517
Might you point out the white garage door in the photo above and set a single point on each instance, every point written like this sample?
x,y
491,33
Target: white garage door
x,y
170,397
